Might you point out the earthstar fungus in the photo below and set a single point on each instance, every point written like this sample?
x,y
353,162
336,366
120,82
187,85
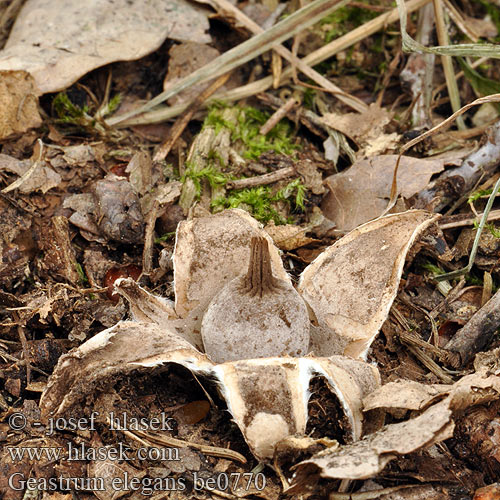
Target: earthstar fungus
x,y
268,394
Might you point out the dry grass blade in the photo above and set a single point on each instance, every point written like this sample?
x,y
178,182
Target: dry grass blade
x,y
446,61
146,439
244,52
351,101
329,50
464,49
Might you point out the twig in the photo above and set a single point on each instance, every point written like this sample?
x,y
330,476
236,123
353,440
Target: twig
x,y
24,344
476,334
277,116
262,180
8,356
147,254
427,361
453,221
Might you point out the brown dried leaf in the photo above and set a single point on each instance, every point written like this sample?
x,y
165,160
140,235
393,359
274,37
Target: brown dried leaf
x,y
351,285
18,102
59,42
406,394
311,176
289,236
42,178
366,128
361,192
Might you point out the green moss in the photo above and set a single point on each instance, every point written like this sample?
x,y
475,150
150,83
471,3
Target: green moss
x,y
68,112
478,194
211,174
260,201
71,114
246,130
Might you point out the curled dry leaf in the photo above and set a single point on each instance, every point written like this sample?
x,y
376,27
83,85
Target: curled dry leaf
x,y
366,458
118,211
289,236
256,315
350,287
367,129
406,394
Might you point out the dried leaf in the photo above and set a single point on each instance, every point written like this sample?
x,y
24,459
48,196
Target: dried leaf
x,y
406,394
351,285
366,128
42,178
60,42
19,103
360,193
289,236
